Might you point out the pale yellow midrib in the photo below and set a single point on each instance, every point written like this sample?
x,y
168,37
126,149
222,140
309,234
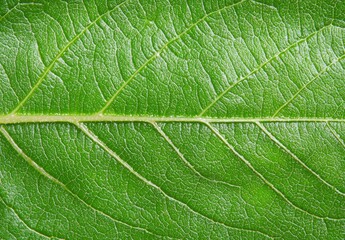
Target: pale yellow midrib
x,y
12,119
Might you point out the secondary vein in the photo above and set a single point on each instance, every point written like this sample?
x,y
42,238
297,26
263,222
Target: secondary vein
x,y
221,95
328,67
277,142
25,224
190,166
95,138
157,53
56,181
57,57
242,158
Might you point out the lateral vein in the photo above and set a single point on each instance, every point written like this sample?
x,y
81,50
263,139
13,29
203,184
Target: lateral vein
x,y
95,138
308,83
335,134
53,179
255,70
181,156
277,142
157,53
24,223
242,158
57,57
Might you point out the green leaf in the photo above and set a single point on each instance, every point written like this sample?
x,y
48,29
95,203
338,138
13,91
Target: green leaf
x,y
172,119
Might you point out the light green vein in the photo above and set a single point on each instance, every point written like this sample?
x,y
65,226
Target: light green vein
x,y
210,105
9,11
57,57
18,4
308,83
277,142
157,54
13,119
24,223
336,135
95,138
181,156
56,181
242,158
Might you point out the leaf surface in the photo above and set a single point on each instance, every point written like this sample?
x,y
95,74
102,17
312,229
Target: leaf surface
x,y
172,119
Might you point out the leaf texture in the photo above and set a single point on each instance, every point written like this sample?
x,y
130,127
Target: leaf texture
x,y
172,119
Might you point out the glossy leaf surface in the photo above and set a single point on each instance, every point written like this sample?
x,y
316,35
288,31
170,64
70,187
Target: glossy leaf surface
x,y
172,119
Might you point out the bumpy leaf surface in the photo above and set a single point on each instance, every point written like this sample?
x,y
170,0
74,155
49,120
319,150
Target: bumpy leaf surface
x,y
172,119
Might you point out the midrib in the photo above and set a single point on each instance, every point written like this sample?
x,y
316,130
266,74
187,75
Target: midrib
x,y
12,119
